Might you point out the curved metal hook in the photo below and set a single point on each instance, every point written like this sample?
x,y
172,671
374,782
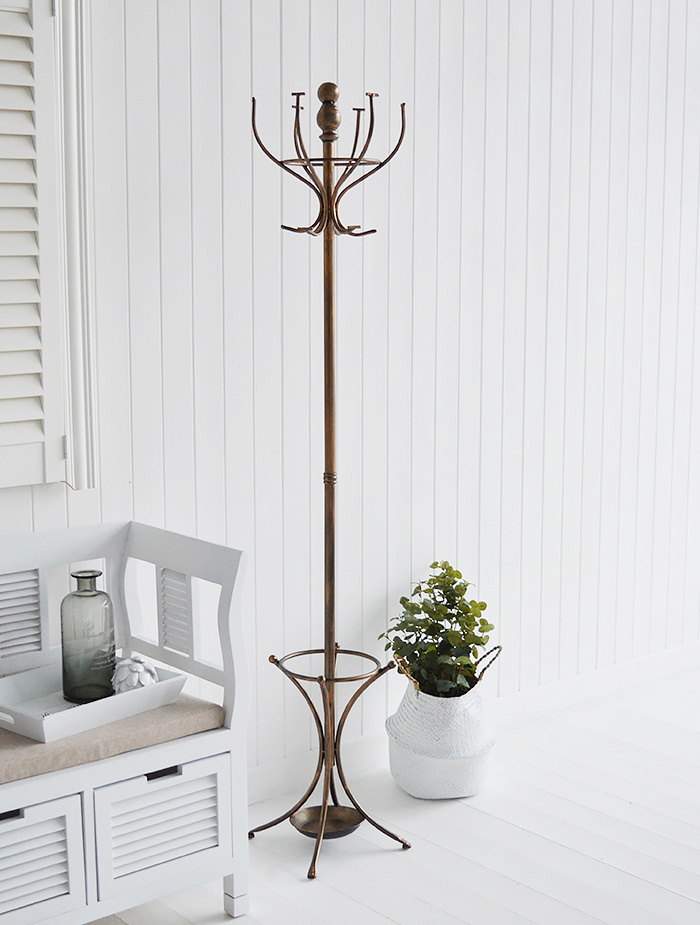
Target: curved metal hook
x,y
320,219
352,166
336,199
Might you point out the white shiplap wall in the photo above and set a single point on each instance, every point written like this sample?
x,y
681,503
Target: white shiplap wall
x,y
516,344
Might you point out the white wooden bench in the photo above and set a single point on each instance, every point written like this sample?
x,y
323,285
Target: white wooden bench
x,y
107,819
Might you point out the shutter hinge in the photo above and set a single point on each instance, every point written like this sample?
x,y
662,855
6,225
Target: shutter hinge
x,y
65,446
54,8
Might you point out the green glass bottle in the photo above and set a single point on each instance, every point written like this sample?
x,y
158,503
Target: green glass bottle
x,y
87,639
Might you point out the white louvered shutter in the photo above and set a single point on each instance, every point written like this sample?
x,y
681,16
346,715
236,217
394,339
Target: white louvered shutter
x,y
31,388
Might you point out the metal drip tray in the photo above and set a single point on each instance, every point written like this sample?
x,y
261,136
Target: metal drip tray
x,y
341,820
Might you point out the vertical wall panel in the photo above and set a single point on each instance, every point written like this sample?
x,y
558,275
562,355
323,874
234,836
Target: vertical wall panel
x,y
493,308
575,309
426,235
685,485
207,285
176,272
267,373
111,294
517,344
513,347
618,189
302,469
627,590
375,346
468,498
237,284
450,151
143,179
535,329
591,611
399,309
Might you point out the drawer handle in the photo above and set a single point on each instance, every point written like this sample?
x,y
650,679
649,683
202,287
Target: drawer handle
x,y
12,814
6,718
164,772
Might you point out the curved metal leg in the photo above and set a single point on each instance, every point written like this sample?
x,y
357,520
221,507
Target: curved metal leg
x,y
328,777
334,793
290,812
321,751
341,775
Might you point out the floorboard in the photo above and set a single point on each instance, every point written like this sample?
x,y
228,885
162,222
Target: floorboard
x,y
590,815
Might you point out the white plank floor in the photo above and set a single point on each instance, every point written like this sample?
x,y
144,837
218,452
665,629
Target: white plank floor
x,y
591,814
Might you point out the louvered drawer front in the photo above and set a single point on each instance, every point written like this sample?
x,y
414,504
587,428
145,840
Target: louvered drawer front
x,y
41,862
153,827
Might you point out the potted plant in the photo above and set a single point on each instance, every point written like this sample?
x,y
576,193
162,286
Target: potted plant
x,y
439,738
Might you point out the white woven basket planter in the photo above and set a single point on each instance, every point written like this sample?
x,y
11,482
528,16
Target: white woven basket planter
x,y
439,746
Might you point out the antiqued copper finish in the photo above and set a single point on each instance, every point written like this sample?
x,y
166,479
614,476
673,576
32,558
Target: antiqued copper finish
x,y
329,820
341,820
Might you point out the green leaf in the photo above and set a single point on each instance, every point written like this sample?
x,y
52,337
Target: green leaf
x,y
454,637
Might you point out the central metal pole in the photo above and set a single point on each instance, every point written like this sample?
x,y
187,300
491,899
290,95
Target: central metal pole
x,y
328,121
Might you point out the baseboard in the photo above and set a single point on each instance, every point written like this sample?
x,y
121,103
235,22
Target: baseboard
x,y
293,775
504,712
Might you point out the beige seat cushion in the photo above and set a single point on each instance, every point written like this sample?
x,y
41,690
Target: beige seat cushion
x,y
21,757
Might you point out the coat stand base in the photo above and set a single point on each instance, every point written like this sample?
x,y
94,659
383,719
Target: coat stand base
x,y
330,819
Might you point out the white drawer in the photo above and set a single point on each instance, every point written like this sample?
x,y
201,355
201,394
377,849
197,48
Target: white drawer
x,y
149,827
42,870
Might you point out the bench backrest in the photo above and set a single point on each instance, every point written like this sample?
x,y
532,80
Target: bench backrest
x,y
28,565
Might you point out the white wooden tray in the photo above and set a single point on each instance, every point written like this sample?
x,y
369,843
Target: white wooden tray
x,y
32,704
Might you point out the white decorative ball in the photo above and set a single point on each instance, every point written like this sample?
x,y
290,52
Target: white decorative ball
x,y
132,673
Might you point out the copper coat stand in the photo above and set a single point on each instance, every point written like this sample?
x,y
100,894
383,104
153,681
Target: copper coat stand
x,y
330,819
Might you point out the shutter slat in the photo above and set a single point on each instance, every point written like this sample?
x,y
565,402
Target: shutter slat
x,y
19,866
133,823
16,74
21,315
24,361
39,891
17,146
16,123
19,268
15,291
13,615
20,409
18,339
15,48
19,433
41,844
13,578
174,794
163,830
18,195
17,170
18,243
16,98
18,219
20,591
21,386
15,23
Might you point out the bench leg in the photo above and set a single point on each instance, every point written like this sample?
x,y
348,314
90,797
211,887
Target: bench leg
x,y
234,905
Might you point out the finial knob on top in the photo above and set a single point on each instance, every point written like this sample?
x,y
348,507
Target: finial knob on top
x,y
328,92
328,118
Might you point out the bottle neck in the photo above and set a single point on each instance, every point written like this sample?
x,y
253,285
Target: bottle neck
x,y
87,581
